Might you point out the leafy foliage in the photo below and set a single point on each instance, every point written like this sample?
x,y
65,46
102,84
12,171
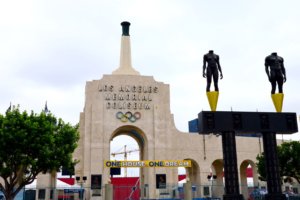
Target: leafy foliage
x,y
261,167
31,144
288,156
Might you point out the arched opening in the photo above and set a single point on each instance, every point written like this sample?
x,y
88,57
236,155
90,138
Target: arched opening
x,y
181,175
217,178
248,177
193,175
181,172
128,143
125,148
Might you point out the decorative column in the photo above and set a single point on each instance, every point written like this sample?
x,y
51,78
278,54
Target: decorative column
x,y
109,192
230,167
125,67
272,167
187,190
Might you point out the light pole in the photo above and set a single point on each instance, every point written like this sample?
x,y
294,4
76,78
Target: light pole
x,y
81,181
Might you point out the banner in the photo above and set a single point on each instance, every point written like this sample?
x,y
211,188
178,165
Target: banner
x,y
147,163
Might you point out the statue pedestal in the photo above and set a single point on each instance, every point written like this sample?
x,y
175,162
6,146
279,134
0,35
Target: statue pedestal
x,y
213,99
278,101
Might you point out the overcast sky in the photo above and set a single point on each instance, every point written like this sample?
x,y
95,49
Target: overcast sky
x,y
49,49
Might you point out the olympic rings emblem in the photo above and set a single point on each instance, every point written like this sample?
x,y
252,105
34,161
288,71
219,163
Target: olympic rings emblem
x,y
128,116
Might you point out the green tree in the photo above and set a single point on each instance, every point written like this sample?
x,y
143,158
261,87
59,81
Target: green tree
x,y
288,156
261,167
31,144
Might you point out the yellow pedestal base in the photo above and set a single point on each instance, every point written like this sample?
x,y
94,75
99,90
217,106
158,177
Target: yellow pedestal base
x,y
213,99
278,101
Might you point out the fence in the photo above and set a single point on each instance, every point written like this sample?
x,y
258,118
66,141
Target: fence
x,y
138,192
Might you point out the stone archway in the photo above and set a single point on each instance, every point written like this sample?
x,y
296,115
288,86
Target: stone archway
x,y
217,168
193,175
135,133
125,148
243,177
139,136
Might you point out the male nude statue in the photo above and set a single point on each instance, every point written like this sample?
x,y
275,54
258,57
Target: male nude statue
x,y
212,69
276,74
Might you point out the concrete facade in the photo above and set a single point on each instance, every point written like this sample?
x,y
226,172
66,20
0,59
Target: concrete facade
x,y
154,131
127,103
146,103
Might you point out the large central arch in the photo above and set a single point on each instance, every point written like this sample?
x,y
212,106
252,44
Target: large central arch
x,y
140,137
135,133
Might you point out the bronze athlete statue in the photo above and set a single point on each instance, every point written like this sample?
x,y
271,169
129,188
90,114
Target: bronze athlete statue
x,y
276,74
212,69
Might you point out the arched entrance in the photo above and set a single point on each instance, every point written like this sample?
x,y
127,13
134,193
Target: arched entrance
x,y
217,183
125,148
193,175
128,185
248,177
